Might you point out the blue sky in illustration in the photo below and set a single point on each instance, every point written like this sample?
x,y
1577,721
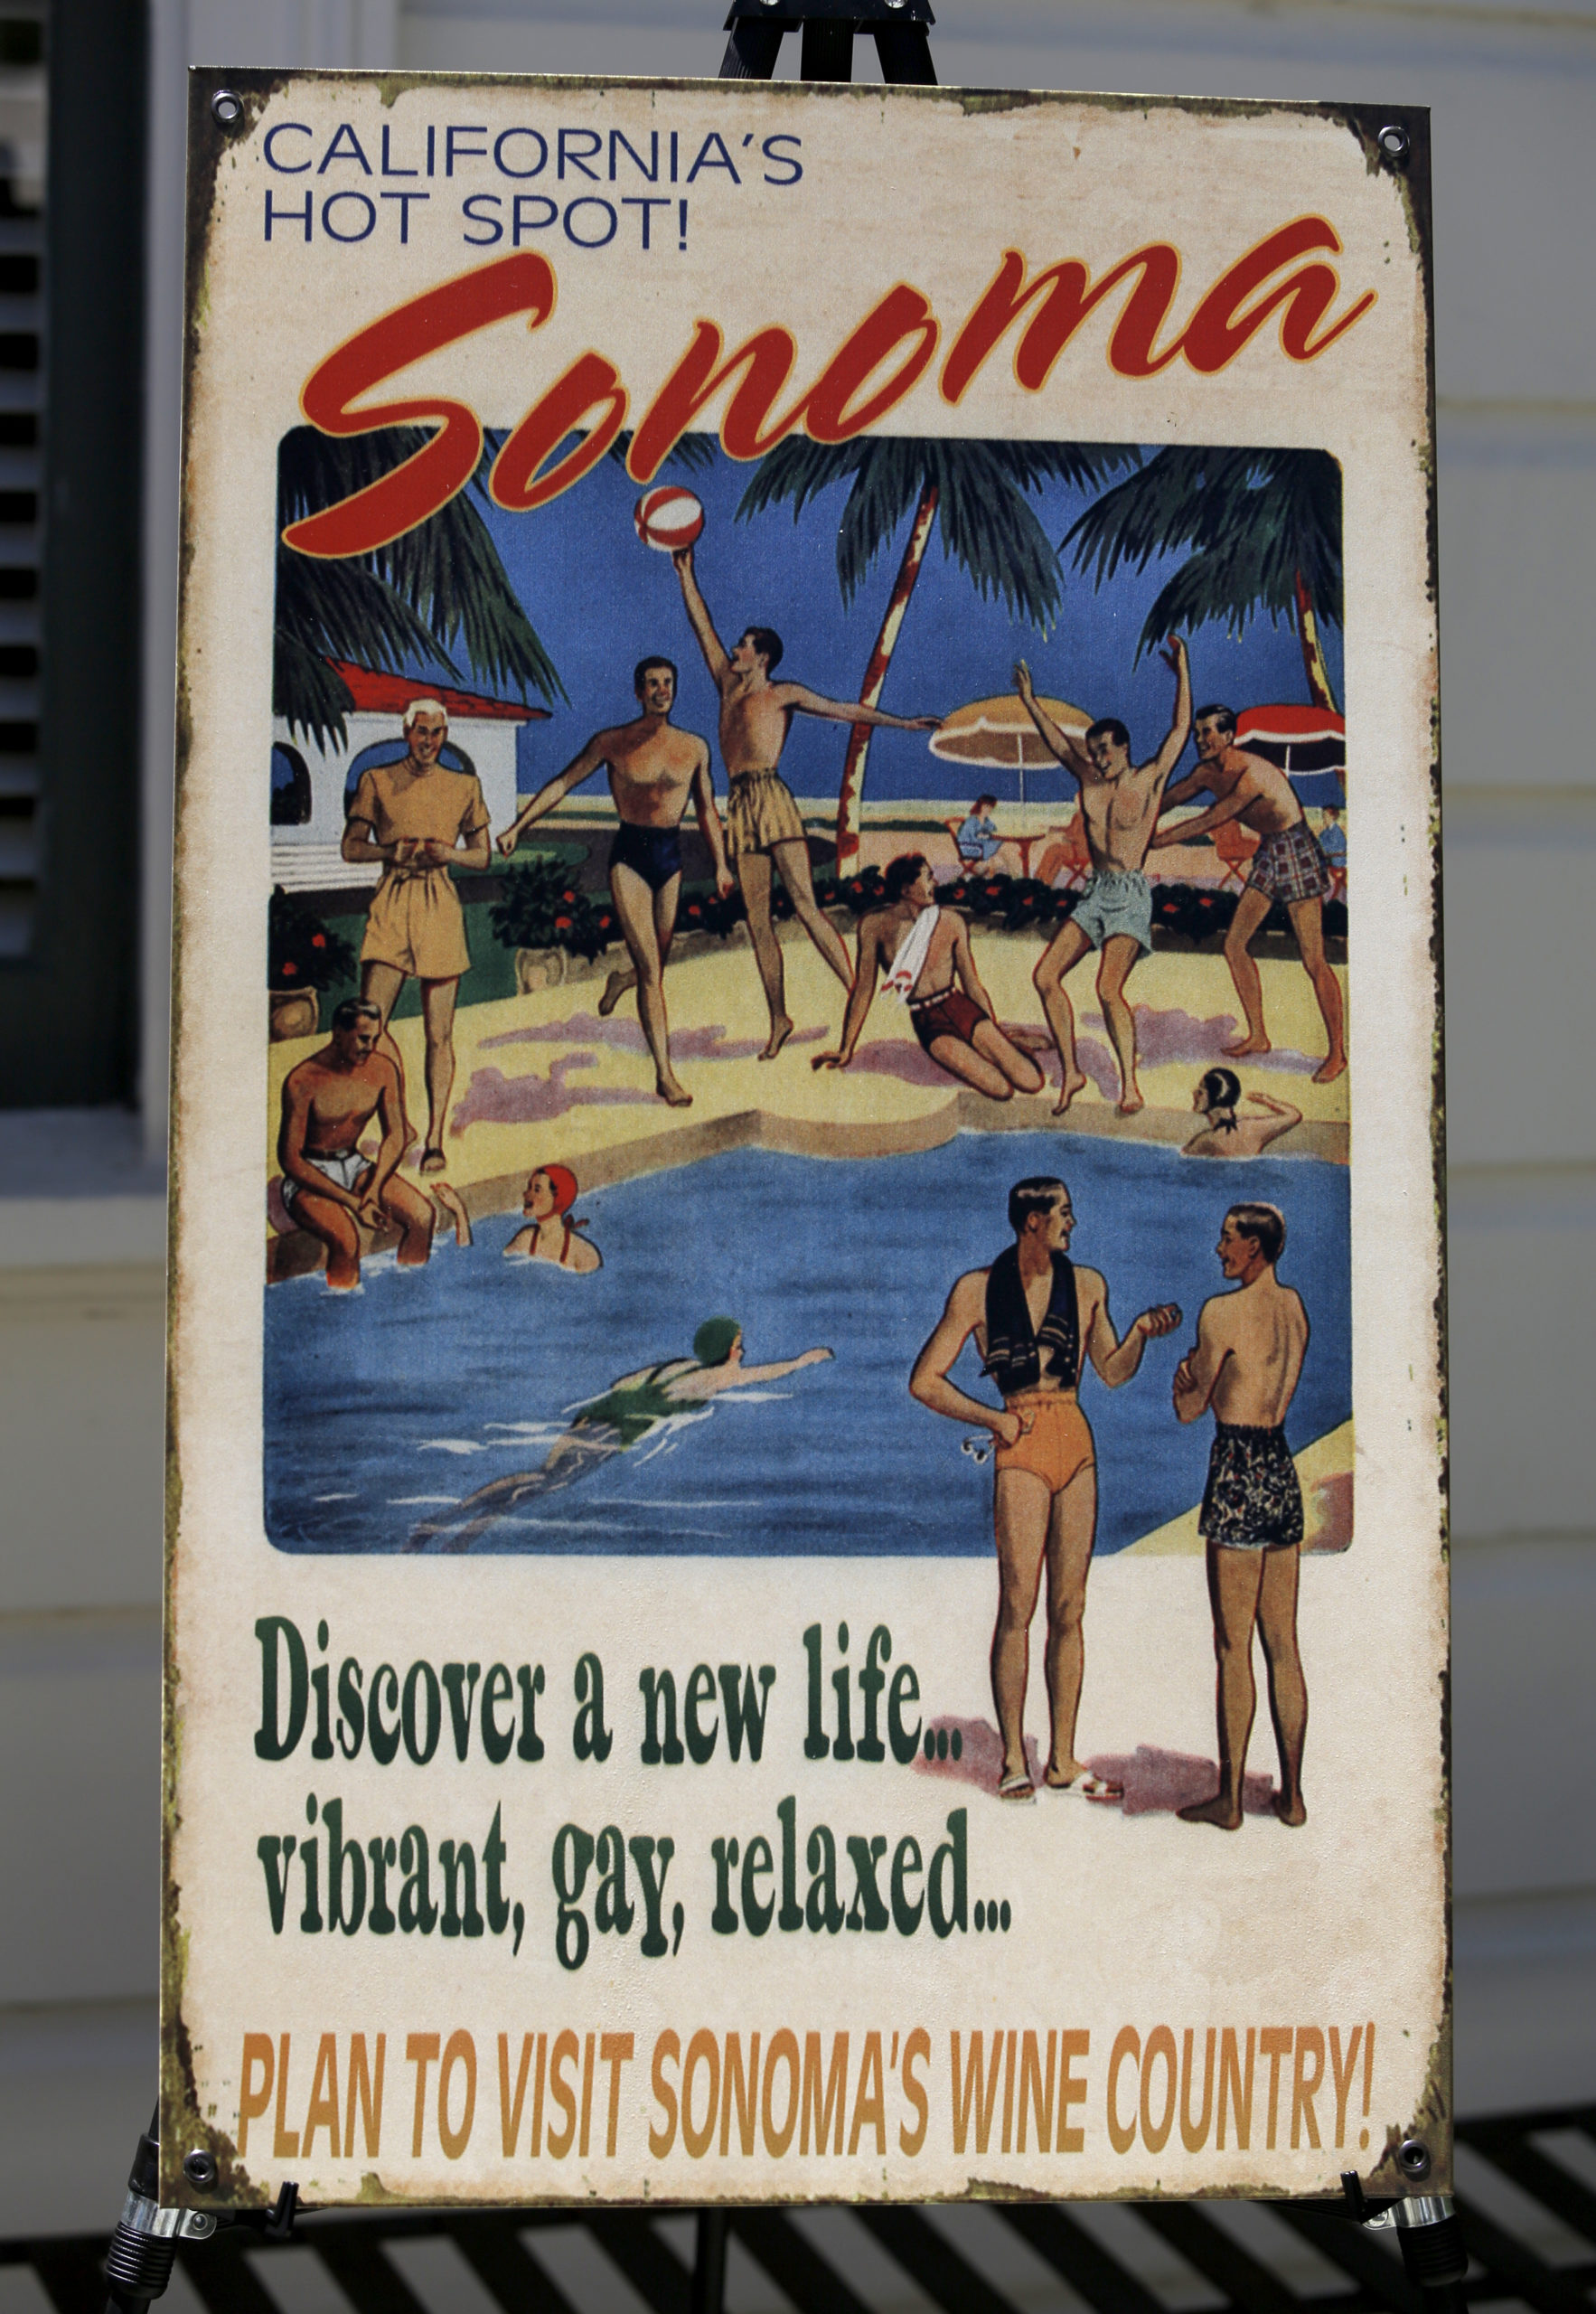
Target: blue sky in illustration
x,y
600,600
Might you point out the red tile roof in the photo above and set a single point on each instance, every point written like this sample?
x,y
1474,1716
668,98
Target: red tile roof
x,y
382,694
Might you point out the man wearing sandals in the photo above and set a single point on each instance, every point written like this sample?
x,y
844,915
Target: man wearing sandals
x,y
1035,1317
417,820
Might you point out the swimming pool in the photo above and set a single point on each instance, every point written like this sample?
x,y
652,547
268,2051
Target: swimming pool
x,y
385,1408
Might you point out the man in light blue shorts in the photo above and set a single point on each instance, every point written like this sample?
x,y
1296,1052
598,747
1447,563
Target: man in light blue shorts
x,y
1120,805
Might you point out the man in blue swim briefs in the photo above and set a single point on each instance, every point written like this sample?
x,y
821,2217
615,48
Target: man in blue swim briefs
x,y
1120,805
654,770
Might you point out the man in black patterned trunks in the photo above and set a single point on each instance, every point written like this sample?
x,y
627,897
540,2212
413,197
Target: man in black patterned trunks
x,y
654,770
1288,866
1245,1366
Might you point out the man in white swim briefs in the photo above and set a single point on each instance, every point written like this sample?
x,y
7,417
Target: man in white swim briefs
x,y
1120,804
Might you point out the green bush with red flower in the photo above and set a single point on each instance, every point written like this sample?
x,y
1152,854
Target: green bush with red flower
x,y
301,951
540,906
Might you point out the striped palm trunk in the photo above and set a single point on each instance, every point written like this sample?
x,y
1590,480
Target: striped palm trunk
x,y
851,791
1313,657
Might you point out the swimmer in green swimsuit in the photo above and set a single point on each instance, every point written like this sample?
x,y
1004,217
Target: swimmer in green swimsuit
x,y
629,1411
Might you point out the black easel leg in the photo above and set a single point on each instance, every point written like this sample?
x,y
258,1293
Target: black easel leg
x,y
905,50
828,49
752,51
708,2293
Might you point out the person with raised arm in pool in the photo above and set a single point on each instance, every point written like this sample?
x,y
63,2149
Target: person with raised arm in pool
x,y
635,1407
548,1233
1223,1132
654,772
922,949
1288,866
765,831
1119,806
1036,1316
1245,1366
328,1186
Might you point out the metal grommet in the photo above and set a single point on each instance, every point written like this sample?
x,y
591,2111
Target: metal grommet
x,y
1414,2158
227,109
1393,141
200,2168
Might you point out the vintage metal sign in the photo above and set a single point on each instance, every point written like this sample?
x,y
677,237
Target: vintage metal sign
x,y
806,1551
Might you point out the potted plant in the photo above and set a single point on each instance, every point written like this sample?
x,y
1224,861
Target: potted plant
x,y
546,919
304,959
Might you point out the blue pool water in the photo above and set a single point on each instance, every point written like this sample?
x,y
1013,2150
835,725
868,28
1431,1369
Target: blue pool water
x,y
385,1408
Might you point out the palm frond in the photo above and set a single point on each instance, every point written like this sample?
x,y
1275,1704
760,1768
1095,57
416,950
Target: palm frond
x,y
439,590
1251,519
984,514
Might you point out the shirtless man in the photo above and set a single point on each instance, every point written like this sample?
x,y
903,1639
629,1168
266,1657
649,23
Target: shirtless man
x,y
654,771
328,1187
764,828
921,948
418,819
1288,866
1120,804
1249,1353
1033,1314
1216,1098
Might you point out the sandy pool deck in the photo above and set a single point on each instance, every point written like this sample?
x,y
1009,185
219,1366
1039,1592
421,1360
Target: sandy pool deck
x,y
540,1079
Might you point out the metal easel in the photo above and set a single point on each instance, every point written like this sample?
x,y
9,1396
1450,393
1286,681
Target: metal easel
x,y
900,26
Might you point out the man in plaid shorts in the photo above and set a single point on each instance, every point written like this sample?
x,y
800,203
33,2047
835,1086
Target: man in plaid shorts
x,y
1288,866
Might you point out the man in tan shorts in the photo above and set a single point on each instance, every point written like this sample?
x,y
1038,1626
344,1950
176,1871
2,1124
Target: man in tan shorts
x,y
417,819
764,829
1245,1366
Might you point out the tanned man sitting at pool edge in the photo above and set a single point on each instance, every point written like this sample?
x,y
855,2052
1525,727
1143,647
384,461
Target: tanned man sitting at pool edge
x,y
329,1186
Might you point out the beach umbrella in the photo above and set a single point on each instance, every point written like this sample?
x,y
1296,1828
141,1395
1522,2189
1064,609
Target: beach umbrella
x,y
1308,743
998,735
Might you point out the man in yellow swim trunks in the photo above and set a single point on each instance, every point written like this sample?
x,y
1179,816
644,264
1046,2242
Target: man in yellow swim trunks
x,y
1035,1315
764,830
419,819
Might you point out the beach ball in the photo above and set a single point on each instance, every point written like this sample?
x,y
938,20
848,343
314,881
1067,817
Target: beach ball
x,y
669,518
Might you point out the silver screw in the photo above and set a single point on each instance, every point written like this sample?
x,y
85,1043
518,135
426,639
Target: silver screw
x,y
227,109
200,2168
1413,2157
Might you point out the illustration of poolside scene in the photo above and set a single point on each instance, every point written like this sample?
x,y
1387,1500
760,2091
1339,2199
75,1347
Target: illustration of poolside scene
x,y
693,912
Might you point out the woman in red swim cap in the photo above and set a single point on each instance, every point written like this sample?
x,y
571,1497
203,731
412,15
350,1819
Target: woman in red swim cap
x,y
549,1234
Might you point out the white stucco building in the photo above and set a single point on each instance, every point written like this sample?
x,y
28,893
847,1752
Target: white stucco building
x,y
312,780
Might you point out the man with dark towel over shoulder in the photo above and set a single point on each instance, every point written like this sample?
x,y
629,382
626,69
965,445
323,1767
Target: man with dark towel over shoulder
x,y
1036,1317
1246,1364
766,829
654,770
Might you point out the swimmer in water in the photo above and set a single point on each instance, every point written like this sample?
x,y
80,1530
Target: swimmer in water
x,y
1223,1132
549,1234
631,1409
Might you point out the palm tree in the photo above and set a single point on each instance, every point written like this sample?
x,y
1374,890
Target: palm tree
x,y
976,493
1264,530
440,585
